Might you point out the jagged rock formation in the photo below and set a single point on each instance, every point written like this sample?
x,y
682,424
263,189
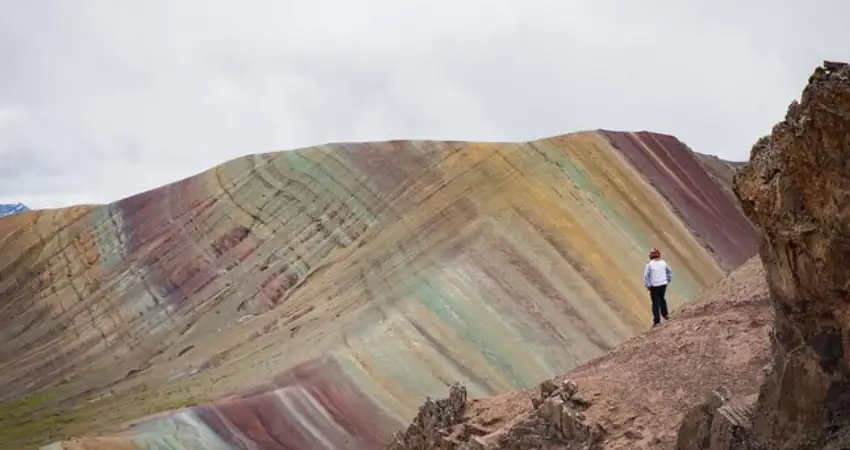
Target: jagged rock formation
x,y
796,188
635,396
313,298
556,421
428,430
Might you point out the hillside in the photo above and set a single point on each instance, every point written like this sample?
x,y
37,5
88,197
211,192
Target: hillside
x,y
320,294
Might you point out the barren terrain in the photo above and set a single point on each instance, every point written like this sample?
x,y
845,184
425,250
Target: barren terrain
x,y
640,391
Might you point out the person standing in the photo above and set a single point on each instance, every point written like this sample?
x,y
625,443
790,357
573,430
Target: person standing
x,y
656,276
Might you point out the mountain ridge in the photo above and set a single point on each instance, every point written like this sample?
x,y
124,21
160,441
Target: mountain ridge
x,y
12,209
381,269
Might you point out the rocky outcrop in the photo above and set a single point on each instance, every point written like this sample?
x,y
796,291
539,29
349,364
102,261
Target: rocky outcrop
x,y
718,423
555,421
796,188
428,430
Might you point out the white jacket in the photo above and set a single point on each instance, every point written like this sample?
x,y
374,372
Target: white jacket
x,y
657,273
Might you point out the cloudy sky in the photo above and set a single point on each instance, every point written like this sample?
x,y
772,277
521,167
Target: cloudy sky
x,y
104,99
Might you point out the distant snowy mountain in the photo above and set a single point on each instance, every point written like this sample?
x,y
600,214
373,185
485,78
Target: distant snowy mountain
x,y
8,210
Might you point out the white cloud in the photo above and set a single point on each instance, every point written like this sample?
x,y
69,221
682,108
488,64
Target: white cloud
x,y
100,100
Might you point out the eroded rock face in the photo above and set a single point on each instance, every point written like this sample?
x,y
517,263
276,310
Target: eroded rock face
x,y
428,430
796,188
557,422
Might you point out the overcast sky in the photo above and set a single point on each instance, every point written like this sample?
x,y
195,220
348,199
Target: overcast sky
x,y
103,99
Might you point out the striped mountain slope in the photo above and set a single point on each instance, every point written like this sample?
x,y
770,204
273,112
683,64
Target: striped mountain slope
x,y
316,296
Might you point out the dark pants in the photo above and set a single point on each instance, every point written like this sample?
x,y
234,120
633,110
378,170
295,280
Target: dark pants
x,y
659,303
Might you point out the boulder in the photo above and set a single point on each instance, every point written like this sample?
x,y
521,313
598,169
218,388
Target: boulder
x,y
718,423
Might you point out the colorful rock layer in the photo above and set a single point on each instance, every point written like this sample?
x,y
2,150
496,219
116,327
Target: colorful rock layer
x,y
319,295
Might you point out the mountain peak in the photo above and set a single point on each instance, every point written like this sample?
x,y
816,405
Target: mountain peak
x,y
12,209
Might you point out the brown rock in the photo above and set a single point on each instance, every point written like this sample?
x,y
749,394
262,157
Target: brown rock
x,y
475,443
731,428
719,423
633,435
570,388
579,402
796,188
695,430
431,428
556,423
547,388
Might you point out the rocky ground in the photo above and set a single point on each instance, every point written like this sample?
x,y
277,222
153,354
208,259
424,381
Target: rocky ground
x,y
633,397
